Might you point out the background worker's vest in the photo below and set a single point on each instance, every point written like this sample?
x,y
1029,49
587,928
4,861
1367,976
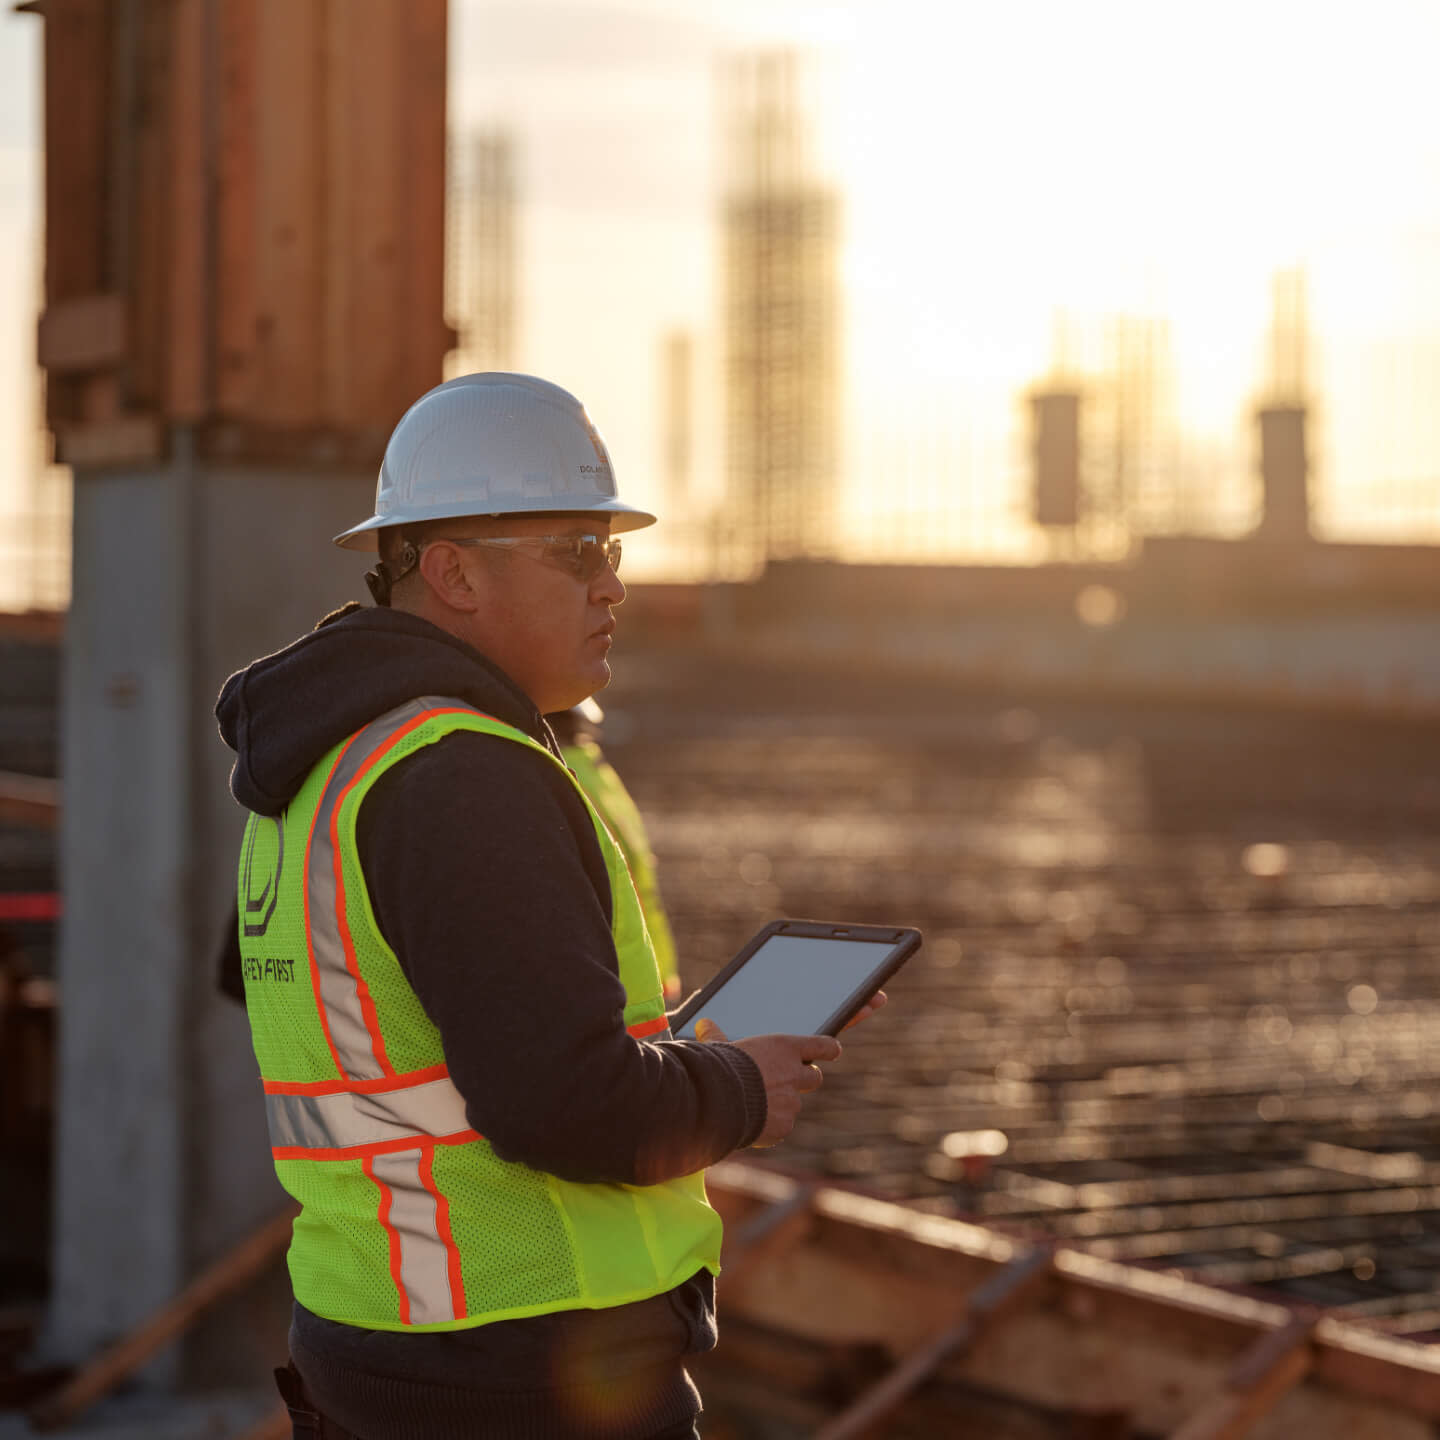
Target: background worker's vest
x,y
607,792
410,1220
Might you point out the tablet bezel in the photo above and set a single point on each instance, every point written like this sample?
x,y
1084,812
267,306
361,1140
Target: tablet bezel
x,y
903,939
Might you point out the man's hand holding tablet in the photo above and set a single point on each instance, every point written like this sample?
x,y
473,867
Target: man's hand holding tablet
x,y
783,998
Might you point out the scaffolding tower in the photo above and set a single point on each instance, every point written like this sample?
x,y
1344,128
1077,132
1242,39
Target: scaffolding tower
x,y
1284,414
482,262
781,319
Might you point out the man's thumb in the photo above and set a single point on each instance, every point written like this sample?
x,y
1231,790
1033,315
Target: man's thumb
x,y
707,1030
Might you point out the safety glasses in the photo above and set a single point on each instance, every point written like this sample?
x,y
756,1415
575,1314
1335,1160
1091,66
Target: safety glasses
x,y
583,556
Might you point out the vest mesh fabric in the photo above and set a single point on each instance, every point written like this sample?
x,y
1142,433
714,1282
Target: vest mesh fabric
x,y
511,1241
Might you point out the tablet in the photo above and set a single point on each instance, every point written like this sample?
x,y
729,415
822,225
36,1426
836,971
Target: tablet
x,y
798,977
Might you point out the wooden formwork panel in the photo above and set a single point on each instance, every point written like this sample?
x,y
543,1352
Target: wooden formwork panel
x,y
1089,1335
189,336
259,187
289,220
236,212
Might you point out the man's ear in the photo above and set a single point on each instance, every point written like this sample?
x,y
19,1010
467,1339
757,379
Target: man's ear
x,y
443,570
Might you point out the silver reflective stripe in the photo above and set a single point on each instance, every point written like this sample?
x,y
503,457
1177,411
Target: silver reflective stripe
x,y
337,1122
338,991
424,1260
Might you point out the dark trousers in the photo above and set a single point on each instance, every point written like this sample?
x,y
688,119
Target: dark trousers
x,y
310,1424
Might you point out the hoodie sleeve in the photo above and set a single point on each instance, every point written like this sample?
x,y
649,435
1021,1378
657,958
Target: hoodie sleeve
x,y
489,885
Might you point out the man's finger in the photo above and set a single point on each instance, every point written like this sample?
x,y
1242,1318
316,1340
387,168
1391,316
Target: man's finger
x,y
811,1080
878,999
707,1030
820,1047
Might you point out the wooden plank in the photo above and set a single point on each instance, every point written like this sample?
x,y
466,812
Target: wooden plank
x,y
370,247
855,1237
29,800
190,216
77,73
76,106
344,175
1272,1367
289,279
1022,1281
84,332
235,356
130,440
425,335
770,1233
100,400
144,210
232,1270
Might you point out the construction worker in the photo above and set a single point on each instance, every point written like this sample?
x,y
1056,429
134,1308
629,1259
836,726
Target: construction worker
x,y
469,1079
577,730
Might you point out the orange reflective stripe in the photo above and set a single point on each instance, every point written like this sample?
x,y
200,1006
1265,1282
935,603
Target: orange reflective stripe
x,y
442,1229
309,940
348,1009
642,1028
385,1083
387,1199
342,923
342,917
343,1121
369,1152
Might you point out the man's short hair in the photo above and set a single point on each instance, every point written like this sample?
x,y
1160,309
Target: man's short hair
x,y
392,537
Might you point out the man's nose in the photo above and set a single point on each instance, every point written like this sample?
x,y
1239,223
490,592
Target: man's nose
x,y
607,588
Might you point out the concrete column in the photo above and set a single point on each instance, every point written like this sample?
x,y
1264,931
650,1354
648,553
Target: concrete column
x,y
183,573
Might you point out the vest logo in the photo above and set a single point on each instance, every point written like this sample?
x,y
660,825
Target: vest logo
x,y
260,874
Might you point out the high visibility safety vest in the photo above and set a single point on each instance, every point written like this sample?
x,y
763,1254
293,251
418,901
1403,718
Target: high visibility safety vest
x,y
409,1220
607,792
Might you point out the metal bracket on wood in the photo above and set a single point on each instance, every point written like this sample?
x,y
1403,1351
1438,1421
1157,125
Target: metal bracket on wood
x,y
1259,1379
1012,1286
771,1232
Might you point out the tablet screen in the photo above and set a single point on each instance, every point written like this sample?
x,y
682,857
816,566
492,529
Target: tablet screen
x,y
791,986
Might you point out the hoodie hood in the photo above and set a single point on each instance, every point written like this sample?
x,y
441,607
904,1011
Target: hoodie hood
x,y
283,712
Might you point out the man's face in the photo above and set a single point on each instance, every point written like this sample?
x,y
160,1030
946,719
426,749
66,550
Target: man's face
x,y
547,628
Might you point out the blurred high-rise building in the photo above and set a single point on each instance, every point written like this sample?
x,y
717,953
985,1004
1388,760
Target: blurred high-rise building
x,y
781,318
483,259
1283,415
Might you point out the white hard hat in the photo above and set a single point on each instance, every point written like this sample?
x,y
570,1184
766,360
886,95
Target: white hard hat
x,y
493,444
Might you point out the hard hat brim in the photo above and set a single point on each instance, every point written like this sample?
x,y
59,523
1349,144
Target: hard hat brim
x,y
622,517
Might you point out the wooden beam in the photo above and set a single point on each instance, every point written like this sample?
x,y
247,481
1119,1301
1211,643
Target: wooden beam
x,y
769,1233
85,332
77,71
910,1263
425,336
232,1270
149,136
1022,1281
1263,1375
129,440
289,194
236,224
30,800
370,248
190,216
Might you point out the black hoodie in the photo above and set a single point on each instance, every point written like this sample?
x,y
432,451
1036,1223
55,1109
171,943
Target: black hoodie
x,y
488,883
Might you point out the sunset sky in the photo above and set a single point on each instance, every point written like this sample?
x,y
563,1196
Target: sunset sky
x,y
998,162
